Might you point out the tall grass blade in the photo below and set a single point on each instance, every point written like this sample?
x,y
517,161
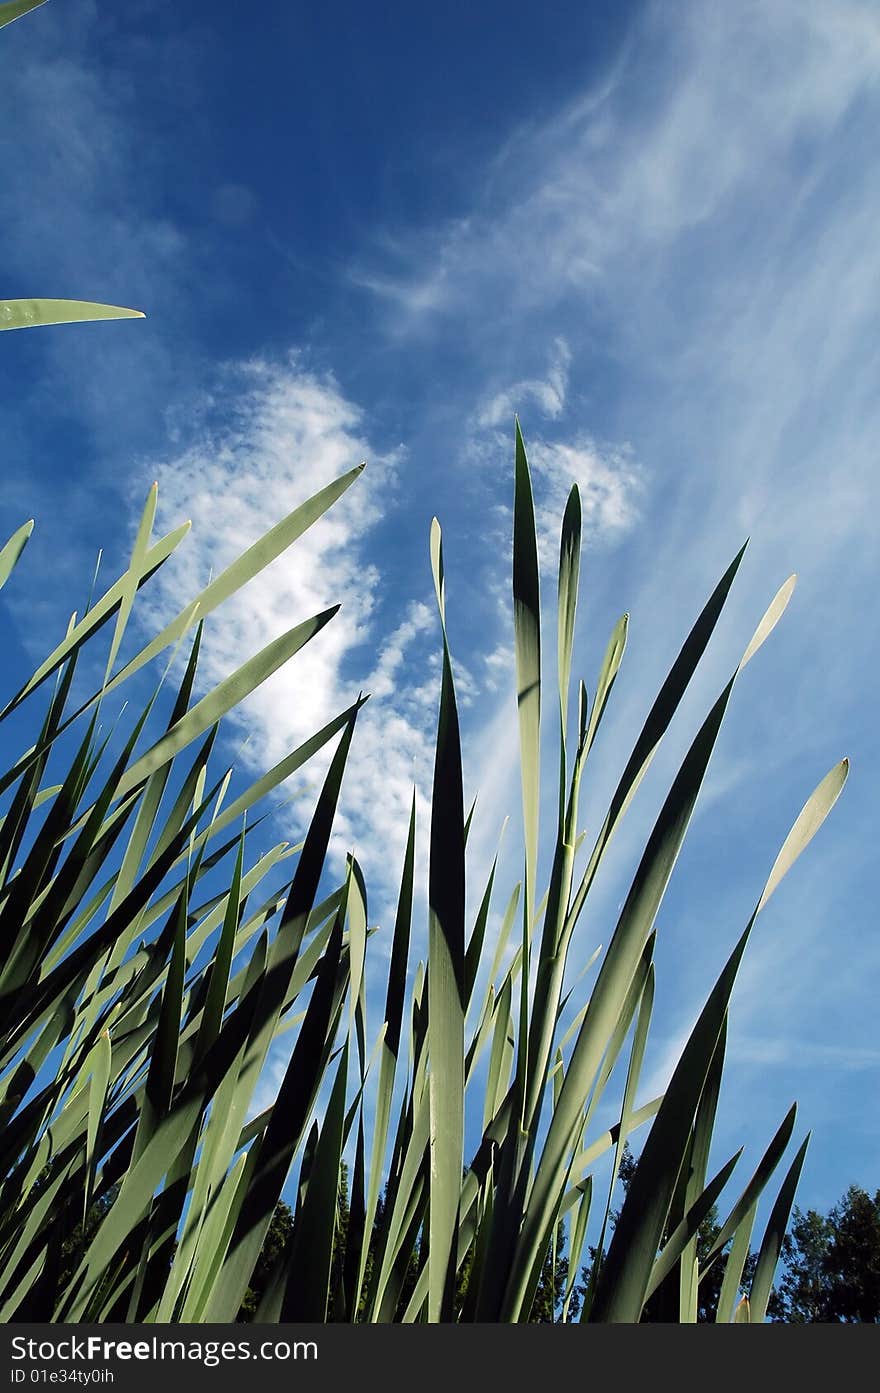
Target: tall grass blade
x,y
446,980
527,652
771,1246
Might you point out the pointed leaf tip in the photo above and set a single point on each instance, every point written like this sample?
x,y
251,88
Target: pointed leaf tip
x,y
806,825
770,619
11,550
436,549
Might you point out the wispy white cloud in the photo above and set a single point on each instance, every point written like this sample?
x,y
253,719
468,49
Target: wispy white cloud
x,y
547,394
709,100
608,478
793,1052
272,435
608,482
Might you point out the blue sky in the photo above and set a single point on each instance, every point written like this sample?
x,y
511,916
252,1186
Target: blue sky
x,y
648,228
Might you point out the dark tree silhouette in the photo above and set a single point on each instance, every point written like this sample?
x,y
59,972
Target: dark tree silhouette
x,y
831,1264
664,1304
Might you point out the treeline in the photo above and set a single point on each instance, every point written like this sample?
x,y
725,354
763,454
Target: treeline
x,y
829,1272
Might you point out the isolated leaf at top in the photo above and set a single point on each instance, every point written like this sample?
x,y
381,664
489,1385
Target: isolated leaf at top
x,y
14,9
446,977
12,550
27,314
